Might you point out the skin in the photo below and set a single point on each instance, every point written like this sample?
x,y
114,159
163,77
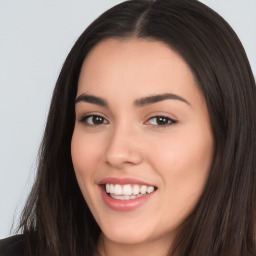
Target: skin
x,y
128,142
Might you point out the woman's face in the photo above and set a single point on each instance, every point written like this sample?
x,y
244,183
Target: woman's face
x,y
143,131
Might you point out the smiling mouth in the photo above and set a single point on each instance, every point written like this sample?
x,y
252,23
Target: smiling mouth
x,y
128,191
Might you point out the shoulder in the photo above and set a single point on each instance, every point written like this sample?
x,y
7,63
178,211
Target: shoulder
x,y
12,246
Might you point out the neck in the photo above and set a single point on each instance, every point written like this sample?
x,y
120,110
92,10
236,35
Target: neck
x,y
106,247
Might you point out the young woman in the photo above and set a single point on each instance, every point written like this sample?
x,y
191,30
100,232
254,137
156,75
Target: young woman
x,y
150,142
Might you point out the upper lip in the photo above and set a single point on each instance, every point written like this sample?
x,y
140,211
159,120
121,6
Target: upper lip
x,y
122,181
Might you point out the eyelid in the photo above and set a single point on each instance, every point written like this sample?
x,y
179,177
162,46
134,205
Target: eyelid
x,y
80,115
171,120
84,117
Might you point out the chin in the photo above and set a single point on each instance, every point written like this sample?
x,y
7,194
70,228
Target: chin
x,y
126,238
126,233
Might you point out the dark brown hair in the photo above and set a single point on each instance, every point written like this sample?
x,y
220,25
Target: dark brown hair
x,y
56,219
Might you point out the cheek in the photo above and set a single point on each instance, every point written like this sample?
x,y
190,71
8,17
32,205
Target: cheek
x,y
85,155
183,154
184,161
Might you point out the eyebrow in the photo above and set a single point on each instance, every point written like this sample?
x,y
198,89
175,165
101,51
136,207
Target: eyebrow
x,y
157,98
91,99
139,102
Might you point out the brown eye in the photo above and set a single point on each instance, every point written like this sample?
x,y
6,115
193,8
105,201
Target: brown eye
x,y
94,120
161,121
97,120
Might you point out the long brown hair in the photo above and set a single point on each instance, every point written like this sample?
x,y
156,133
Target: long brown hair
x,y
56,219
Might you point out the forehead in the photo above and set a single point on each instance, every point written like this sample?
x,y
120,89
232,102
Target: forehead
x,y
136,67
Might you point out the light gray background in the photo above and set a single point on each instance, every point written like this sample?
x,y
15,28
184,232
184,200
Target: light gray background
x,y
35,37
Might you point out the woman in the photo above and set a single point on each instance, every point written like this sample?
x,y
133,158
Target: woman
x,y
149,147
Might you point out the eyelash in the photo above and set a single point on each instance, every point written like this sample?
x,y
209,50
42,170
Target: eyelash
x,y
167,120
85,119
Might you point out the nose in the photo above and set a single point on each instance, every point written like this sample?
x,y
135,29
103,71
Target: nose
x,y
123,148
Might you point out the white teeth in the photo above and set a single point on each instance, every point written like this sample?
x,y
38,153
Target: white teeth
x,y
143,190
118,190
123,197
107,188
136,190
128,191
111,189
150,189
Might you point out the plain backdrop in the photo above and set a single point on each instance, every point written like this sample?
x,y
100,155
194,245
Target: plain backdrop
x,y
35,37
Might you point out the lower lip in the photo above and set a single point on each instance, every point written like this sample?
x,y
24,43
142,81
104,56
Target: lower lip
x,y
124,205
